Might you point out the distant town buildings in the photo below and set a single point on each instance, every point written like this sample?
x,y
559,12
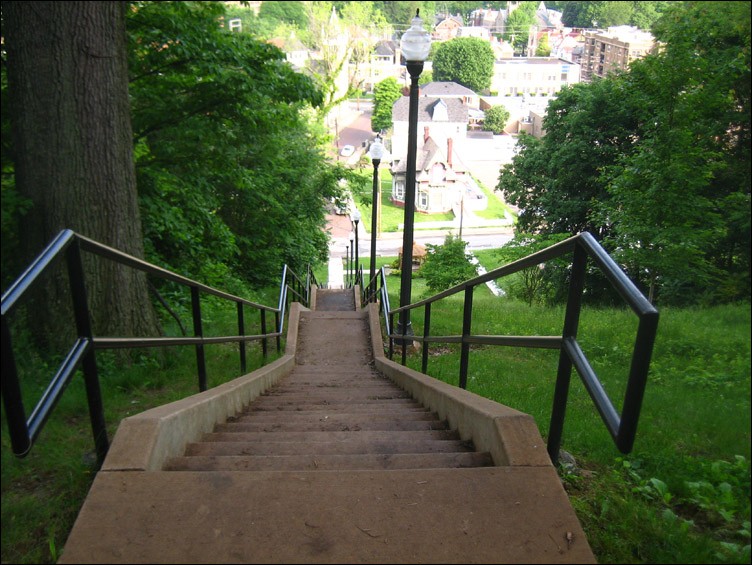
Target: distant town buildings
x,y
613,49
536,76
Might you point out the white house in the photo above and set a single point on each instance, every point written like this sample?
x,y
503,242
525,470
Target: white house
x,y
440,178
446,118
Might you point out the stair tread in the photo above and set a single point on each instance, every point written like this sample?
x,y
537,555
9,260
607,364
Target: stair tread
x,y
330,462
333,424
341,416
326,447
333,436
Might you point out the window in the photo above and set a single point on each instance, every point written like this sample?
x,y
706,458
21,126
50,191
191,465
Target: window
x,y
423,200
399,190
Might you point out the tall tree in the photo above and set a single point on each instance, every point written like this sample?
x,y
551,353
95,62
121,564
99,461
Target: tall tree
x,y
680,203
68,92
518,25
556,181
385,94
231,171
468,61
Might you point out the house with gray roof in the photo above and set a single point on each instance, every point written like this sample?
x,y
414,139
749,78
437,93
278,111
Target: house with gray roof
x,y
446,117
440,178
450,89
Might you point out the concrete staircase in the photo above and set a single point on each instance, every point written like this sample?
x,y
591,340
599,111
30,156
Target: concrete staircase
x,y
334,411
330,454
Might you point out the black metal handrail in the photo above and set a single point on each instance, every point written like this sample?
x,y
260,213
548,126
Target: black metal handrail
x,y
622,427
376,289
24,432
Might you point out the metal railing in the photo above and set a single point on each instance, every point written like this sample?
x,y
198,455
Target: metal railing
x,y
82,354
622,427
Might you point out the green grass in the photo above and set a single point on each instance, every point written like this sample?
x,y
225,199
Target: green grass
x,y
393,216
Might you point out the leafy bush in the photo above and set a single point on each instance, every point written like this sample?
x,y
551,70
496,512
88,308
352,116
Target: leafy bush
x,y
447,265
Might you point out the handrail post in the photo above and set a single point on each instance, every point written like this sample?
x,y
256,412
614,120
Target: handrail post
x,y
12,399
241,331
564,373
264,342
198,331
467,319
391,339
89,362
638,376
279,340
426,333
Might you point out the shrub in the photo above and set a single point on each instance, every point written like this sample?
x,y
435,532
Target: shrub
x,y
447,265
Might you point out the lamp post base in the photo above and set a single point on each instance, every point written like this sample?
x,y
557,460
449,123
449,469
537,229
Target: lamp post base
x,y
408,331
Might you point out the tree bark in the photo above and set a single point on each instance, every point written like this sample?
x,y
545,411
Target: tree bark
x,y
68,90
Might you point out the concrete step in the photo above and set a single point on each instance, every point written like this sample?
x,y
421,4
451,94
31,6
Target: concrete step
x,y
348,418
335,300
475,515
373,407
333,436
385,462
336,394
382,397
333,423
350,447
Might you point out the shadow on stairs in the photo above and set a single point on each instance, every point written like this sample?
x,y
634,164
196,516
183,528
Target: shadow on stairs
x,y
344,458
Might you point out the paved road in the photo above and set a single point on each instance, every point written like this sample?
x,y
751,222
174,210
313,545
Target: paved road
x,y
389,244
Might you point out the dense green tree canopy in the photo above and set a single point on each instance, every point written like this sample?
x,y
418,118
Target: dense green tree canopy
x,y
519,22
447,265
555,181
655,161
680,203
496,119
468,61
603,14
283,11
231,176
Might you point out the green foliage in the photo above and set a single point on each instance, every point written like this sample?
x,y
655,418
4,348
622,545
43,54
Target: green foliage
x,y
518,25
231,169
447,265
283,11
385,94
655,161
544,47
603,14
468,61
496,119
555,181
693,101
718,497
533,284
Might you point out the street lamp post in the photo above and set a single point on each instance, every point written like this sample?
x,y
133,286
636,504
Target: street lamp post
x,y
352,262
347,265
356,221
415,45
377,152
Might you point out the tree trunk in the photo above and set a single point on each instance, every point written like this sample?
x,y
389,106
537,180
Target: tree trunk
x,y
68,88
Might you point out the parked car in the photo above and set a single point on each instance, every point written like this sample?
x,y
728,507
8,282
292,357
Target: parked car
x,y
347,150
